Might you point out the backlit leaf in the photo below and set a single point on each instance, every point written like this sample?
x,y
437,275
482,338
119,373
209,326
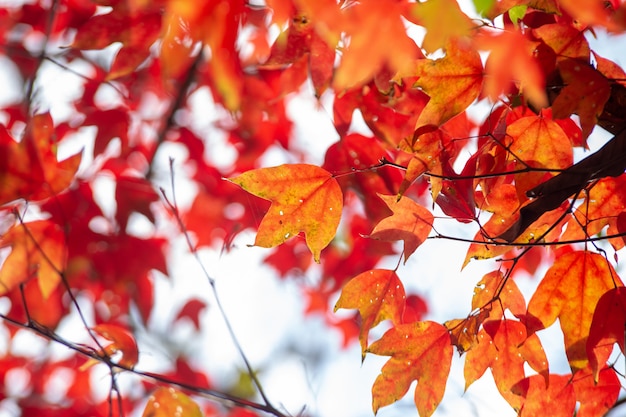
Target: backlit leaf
x,y
538,142
607,327
37,251
555,398
378,295
305,198
121,341
410,222
443,20
168,402
505,347
452,82
570,291
414,348
585,93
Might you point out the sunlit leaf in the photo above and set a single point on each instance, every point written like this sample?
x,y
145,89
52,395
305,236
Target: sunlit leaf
x,y
37,251
305,198
554,398
168,402
410,222
504,346
414,348
452,82
607,326
378,295
570,291
121,341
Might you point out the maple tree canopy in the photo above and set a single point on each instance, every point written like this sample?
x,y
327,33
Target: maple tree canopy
x,y
441,116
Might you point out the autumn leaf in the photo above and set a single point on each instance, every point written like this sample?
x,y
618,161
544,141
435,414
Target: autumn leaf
x,y
414,348
168,402
570,291
585,93
192,310
504,346
121,341
512,61
379,295
596,393
607,326
554,397
410,222
29,169
496,293
305,198
371,27
538,142
443,20
452,82
37,251
565,40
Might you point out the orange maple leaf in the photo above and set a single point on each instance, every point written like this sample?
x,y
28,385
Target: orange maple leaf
x,y
452,82
543,397
379,295
167,402
570,291
443,20
410,222
305,198
603,201
585,93
37,250
511,60
504,347
538,142
564,39
419,351
375,30
496,294
122,341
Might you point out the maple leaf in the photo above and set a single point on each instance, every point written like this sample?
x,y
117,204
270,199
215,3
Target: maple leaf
x,y
542,397
37,250
452,82
511,60
504,346
538,142
570,291
379,295
167,402
191,310
585,93
414,348
371,27
565,40
443,20
603,199
495,294
410,222
29,169
598,393
133,195
121,341
305,198
356,151
607,326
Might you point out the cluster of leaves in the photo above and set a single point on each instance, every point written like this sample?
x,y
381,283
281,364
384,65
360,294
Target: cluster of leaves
x,y
137,64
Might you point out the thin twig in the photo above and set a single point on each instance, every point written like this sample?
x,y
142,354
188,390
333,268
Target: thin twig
x,y
173,206
217,396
